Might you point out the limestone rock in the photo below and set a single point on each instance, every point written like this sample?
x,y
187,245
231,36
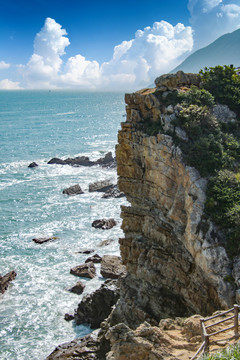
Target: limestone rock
x,y
5,280
73,190
224,114
44,239
100,186
112,267
87,270
173,81
96,307
104,224
77,288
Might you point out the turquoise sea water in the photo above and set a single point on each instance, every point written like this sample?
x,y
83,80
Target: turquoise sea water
x,y
36,126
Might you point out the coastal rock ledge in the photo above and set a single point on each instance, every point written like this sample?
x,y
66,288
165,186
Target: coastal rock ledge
x,y
175,260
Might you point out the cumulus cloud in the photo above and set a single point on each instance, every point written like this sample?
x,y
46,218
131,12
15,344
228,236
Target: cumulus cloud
x,y
45,63
9,85
153,51
211,19
4,65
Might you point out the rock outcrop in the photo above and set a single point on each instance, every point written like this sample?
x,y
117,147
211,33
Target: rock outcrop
x,y
44,239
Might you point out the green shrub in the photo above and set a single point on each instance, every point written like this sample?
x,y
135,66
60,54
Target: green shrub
x,y
223,83
197,96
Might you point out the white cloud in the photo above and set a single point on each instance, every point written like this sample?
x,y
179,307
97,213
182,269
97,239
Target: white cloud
x,y
9,85
208,5
45,63
134,63
4,65
211,19
231,10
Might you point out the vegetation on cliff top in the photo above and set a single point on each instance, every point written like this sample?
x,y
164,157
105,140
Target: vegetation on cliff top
x,y
214,146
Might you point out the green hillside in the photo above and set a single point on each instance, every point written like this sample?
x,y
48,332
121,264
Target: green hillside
x,y
223,51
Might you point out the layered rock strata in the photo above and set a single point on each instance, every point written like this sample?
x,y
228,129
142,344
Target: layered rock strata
x,y
175,260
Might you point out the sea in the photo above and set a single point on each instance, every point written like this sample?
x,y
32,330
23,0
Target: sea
x,y
37,126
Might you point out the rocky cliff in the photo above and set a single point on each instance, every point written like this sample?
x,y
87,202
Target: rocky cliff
x,y
176,262
175,256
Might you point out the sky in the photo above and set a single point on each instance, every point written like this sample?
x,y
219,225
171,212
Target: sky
x,y
104,45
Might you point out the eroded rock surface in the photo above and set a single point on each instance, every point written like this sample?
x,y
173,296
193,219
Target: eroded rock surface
x,y
112,267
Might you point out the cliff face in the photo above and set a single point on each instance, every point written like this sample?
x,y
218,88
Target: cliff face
x,y
175,258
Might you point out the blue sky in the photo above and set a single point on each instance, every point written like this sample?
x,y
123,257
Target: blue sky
x,y
96,44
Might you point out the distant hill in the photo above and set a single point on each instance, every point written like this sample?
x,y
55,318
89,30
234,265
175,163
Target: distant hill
x,y
223,51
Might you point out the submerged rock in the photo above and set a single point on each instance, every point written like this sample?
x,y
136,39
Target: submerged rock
x,y
5,280
105,242
104,224
112,267
96,307
73,190
44,239
87,270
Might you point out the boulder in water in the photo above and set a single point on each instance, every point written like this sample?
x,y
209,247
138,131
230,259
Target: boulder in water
x,y
33,165
73,190
44,239
112,267
5,280
87,270
104,224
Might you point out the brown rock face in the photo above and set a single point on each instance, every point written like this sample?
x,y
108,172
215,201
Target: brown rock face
x,y
175,262
112,267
